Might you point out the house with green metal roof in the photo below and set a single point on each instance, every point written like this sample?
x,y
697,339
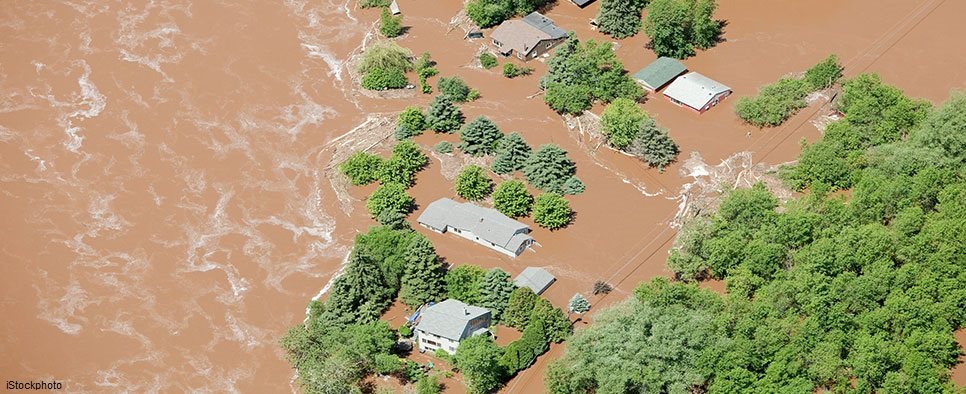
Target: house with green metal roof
x,y
659,73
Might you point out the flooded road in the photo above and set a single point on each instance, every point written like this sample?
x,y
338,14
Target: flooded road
x,y
167,214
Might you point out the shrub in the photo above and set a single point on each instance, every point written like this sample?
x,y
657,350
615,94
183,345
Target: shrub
x,y
374,3
824,74
601,287
552,211
386,364
411,122
473,184
381,79
387,56
512,199
443,147
390,197
428,385
405,331
487,60
455,89
511,70
774,103
573,186
389,25
362,168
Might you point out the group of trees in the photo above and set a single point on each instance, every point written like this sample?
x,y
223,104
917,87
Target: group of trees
x,y
825,293
343,340
776,102
384,65
579,74
548,169
482,362
488,13
677,27
389,203
875,114
630,129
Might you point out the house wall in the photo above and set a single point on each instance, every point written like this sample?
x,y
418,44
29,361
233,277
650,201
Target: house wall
x,y
538,50
429,342
473,237
714,101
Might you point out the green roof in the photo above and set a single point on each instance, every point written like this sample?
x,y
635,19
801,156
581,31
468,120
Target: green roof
x,y
660,72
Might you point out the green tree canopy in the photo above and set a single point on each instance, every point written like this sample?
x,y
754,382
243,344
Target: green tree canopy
x,y
548,168
362,168
677,27
512,153
495,291
389,25
620,18
580,73
552,211
389,197
512,198
455,89
463,283
473,184
480,137
387,56
477,358
424,277
521,304
444,116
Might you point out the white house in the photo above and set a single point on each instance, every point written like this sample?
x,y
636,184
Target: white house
x,y
444,325
696,91
485,226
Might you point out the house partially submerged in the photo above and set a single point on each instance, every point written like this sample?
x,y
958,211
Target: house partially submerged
x,y
444,325
581,3
659,73
485,226
527,38
696,91
537,279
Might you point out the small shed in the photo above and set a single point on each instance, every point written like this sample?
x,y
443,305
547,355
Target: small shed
x,y
659,73
537,279
394,8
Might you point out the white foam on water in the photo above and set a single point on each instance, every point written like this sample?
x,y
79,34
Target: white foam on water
x,y
63,312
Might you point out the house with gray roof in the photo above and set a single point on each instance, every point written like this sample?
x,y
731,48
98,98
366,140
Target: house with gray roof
x,y
659,73
485,226
696,91
528,38
537,279
444,325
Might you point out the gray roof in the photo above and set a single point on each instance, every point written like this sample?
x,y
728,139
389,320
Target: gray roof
x,y
582,3
660,72
449,318
487,223
537,279
694,90
522,35
394,7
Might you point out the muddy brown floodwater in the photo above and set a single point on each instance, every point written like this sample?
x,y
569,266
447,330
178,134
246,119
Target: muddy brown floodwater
x,y
166,210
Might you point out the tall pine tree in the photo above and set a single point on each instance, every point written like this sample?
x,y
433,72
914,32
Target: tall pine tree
x,y
654,145
511,154
548,168
518,310
620,18
443,116
495,291
479,137
423,280
360,294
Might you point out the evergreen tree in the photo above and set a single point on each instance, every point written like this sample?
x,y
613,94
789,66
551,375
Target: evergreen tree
x,y
443,116
479,137
423,280
522,302
573,186
463,283
548,168
555,322
512,199
619,18
389,197
472,184
654,146
360,294
578,304
495,291
511,154
456,90
552,211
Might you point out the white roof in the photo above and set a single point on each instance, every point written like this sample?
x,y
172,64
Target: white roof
x,y
537,279
694,90
487,223
449,318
